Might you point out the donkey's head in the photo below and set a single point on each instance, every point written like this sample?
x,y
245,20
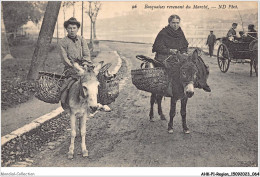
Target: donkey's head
x,y
89,82
188,76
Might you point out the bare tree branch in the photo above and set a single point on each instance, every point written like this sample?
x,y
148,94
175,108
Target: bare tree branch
x,y
92,12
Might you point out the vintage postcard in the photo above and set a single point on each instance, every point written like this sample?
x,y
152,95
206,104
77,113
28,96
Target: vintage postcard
x,y
129,84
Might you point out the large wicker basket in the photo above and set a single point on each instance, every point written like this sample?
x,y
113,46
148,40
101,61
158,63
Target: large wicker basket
x,y
48,87
108,90
154,80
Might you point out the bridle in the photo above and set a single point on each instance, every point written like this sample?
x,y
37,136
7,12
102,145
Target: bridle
x,y
190,79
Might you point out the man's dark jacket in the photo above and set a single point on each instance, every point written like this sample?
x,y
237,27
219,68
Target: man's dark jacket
x,y
211,39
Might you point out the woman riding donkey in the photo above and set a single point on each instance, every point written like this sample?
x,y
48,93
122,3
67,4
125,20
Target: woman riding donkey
x,y
79,93
185,71
75,55
171,45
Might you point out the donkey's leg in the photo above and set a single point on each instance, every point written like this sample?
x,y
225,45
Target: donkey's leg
x,y
251,63
183,115
152,101
83,135
73,134
172,114
255,66
159,102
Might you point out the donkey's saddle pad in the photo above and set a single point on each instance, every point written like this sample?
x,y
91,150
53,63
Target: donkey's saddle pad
x,y
65,91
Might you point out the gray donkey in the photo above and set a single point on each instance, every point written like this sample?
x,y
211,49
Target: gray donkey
x,y
82,101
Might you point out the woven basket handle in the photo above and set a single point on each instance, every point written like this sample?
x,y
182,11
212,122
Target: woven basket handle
x,y
148,59
105,68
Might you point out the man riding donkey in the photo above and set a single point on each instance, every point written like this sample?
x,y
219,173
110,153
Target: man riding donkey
x,y
75,54
171,48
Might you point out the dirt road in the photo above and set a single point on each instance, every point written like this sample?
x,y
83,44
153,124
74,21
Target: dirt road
x,y
223,125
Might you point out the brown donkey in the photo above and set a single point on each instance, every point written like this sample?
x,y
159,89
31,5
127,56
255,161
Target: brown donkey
x,y
82,101
190,75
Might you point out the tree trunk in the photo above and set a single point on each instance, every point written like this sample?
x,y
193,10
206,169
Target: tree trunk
x,y
94,29
44,39
64,20
82,18
73,3
91,31
57,31
5,51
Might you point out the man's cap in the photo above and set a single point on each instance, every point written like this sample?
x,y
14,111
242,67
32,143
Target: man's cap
x,y
72,21
234,24
211,31
251,26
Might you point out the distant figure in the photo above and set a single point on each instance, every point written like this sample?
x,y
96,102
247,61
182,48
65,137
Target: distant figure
x,y
241,33
211,42
232,32
250,35
241,36
252,32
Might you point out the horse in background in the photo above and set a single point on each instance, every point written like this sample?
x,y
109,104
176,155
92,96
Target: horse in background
x,y
253,47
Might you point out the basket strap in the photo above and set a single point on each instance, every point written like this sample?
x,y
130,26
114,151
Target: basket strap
x,y
165,61
64,72
81,92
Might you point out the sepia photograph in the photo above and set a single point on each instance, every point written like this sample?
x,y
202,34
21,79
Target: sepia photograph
x,y
129,84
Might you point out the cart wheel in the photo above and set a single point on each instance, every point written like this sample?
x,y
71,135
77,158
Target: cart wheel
x,y
223,58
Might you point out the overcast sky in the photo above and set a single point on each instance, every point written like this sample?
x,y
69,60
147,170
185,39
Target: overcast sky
x,y
112,9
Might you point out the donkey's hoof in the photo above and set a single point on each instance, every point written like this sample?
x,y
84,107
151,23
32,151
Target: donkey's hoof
x,y
104,108
186,131
162,117
92,115
85,153
170,131
151,119
70,156
107,109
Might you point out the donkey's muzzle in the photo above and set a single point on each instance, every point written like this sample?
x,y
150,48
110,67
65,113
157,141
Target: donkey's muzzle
x,y
189,90
189,94
93,108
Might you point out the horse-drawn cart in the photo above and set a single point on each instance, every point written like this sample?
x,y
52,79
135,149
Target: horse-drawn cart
x,y
233,51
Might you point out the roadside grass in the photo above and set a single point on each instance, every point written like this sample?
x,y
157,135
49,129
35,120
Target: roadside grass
x,y
14,87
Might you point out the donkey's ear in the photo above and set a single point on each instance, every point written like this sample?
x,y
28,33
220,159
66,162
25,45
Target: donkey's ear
x,y
98,66
195,55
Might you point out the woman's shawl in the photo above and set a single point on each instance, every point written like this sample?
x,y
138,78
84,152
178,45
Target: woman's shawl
x,y
169,38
